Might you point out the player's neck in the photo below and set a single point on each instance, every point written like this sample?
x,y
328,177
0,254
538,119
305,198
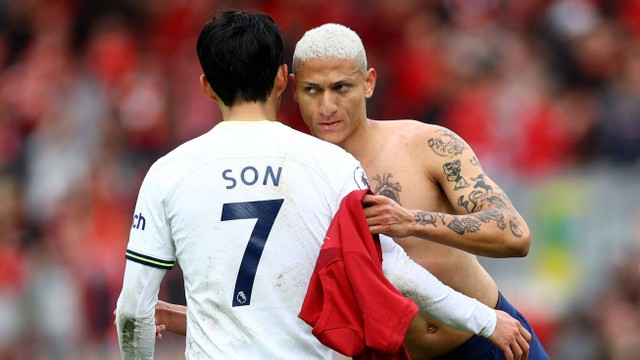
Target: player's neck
x,y
250,111
358,143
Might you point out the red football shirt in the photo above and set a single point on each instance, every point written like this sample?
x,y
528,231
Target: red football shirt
x,y
350,304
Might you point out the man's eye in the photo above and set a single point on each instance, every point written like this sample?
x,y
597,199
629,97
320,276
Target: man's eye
x,y
311,89
343,87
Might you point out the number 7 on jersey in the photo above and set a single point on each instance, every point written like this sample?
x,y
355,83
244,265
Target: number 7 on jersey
x,y
266,212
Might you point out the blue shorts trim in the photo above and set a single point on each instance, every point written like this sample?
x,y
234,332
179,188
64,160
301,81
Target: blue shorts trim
x,y
479,348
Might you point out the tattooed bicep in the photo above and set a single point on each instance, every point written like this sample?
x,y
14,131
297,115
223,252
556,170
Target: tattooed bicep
x,y
483,195
453,172
446,143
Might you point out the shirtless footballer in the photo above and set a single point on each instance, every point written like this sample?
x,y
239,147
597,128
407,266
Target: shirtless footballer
x,y
413,165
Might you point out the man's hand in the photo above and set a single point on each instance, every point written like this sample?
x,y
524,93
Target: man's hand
x,y
385,216
170,317
511,337
159,326
159,329
161,308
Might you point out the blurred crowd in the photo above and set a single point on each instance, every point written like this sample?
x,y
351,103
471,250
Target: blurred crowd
x,y
92,92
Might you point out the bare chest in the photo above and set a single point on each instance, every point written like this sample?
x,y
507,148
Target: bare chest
x,y
405,181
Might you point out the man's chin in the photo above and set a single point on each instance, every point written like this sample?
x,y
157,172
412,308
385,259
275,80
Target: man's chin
x,y
331,137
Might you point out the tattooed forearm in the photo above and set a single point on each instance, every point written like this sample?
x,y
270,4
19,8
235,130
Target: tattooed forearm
x,y
425,218
447,145
491,215
473,222
464,224
384,186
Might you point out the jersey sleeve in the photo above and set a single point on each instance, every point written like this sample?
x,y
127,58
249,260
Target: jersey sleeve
x,y
135,311
150,241
356,177
434,298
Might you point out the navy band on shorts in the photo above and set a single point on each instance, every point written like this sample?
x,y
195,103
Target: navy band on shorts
x,y
479,348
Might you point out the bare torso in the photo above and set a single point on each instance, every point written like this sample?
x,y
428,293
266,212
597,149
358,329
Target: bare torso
x,y
395,167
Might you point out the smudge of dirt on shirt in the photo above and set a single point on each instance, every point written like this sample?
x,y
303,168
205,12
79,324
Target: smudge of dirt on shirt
x,y
129,334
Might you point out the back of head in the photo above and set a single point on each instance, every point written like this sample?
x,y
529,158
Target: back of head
x,y
330,41
240,53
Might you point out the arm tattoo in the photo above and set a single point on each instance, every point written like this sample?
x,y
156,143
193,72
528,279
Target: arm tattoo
x,y
385,187
482,194
449,144
452,170
489,215
499,203
481,191
463,224
515,229
466,224
474,161
425,218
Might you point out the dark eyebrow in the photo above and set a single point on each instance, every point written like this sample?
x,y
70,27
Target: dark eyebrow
x,y
331,85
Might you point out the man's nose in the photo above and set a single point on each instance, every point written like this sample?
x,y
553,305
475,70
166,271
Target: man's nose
x,y
328,106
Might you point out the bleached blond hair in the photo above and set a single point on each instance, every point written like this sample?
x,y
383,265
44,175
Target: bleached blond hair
x,y
330,41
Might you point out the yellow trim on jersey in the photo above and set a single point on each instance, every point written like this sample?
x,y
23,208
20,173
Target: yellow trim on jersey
x,y
148,260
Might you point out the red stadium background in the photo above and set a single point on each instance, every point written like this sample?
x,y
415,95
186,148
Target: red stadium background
x,y
546,92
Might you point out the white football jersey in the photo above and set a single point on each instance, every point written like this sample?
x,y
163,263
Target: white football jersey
x,y
244,209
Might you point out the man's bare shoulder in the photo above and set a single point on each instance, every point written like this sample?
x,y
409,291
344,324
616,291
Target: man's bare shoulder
x,y
408,127
413,132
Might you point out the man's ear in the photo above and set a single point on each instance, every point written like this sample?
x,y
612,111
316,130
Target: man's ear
x,y
280,82
370,83
294,87
206,88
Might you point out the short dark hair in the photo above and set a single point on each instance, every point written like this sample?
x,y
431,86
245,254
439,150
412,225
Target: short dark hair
x,y
240,53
